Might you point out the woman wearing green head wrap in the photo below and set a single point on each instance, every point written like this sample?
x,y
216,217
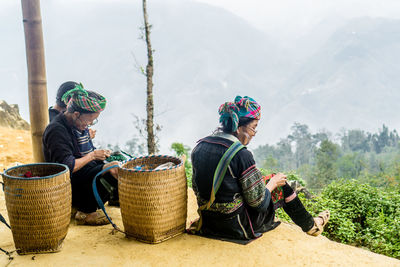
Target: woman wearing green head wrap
x,y
236,203
85,137
62,143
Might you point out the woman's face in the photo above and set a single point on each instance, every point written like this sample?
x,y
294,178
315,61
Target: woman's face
x,y
247,132
85,120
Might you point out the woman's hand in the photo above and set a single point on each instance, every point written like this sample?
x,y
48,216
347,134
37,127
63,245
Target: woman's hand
x,y
92,133
100,154
113,171
278,180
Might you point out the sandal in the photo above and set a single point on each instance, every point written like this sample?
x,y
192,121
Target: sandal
x,y
94,218
317,229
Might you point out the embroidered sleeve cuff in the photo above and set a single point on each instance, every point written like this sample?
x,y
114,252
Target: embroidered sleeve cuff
x,y
253,187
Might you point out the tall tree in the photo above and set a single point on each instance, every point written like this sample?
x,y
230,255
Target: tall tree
x,y
37,84
326,167
356,140
151,144
303,140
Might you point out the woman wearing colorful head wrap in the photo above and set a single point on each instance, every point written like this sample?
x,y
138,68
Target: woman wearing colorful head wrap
x,y
234,202
85,137
61,141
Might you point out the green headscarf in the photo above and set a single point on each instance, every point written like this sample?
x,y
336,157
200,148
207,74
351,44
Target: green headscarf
x,y
85,100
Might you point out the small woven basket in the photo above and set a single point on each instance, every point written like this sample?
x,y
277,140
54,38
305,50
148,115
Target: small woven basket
x,y
153,202
39,208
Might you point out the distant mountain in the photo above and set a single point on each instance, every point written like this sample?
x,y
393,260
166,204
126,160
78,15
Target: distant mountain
x,y
353,80
205,56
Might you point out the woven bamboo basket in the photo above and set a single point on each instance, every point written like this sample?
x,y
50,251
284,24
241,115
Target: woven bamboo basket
x,y
39,208
153,203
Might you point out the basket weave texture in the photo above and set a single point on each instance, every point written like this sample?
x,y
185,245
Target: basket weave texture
x,y
153,203
39,208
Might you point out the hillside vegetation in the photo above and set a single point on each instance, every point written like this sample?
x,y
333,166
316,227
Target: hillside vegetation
x,y
94,246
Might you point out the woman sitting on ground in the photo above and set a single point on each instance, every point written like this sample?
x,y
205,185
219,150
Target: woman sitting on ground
x,y
84,137
61,145
234,201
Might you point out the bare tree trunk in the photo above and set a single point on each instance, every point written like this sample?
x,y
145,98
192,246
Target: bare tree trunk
x,y
151,146
37,85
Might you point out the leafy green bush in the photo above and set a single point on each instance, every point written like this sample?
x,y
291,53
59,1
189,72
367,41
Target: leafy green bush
x,y
293,176
180,149
361,215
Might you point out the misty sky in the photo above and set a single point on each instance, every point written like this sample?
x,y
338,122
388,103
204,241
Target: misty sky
x,y
283,20
288,18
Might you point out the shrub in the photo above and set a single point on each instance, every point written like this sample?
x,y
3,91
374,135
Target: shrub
x,y
180,149
361,215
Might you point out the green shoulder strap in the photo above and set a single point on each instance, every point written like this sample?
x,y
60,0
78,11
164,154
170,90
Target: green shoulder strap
x,y
219,175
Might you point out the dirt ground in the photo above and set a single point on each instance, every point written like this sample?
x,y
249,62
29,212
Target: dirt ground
x,y
96,246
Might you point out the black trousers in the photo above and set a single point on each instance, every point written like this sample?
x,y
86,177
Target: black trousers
x,y
264,221
246,222
296,211
81,181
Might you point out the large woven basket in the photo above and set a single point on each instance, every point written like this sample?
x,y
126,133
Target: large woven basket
x,y
153,203
39,208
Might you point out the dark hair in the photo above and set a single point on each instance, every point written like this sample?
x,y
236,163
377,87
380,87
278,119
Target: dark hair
x,y
65,87
243,121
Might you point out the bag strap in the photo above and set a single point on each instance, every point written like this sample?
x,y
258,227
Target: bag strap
x,y
219,176
1,216
4,221
8,253
220,171
98,199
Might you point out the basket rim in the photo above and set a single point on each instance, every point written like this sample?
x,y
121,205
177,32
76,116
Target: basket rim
x,y
151,156
36,178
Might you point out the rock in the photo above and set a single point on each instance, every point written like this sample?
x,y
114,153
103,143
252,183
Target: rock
x,y
10,117
298,188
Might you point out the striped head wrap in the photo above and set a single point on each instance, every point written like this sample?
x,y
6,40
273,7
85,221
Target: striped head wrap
x,y
86,101
242,107
229,111
248,107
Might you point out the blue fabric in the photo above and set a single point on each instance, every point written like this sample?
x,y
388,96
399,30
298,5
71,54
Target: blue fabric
x,y
99,201
85,144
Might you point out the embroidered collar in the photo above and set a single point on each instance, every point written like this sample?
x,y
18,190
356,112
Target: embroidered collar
x,y
226,136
